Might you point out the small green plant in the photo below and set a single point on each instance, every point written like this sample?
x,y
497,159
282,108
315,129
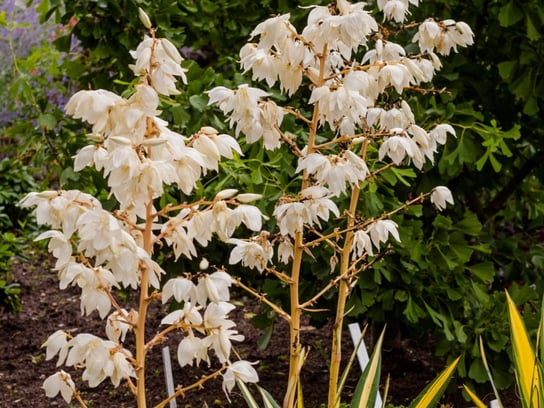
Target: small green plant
x,y
10,300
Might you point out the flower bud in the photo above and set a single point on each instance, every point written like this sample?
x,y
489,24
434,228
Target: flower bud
x,y
248,197
153,142
208,130
95,137
225,194
144,18
48,194
121,140
358,140
204,264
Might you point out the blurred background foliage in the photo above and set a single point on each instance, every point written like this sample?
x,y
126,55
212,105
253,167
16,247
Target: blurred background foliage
x,y
444,282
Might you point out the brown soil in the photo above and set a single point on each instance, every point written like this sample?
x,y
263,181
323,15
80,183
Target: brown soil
x,y
46,309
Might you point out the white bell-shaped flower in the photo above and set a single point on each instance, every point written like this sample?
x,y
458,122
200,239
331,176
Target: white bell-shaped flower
x,y
440,196
57,343
239,370
214,287
59,382
182,289
192,350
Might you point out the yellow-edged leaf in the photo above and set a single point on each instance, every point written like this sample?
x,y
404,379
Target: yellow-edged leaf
x,y
434,390
489,375
524,357
300,399
250,401
474,397
374,369
268,400
367,388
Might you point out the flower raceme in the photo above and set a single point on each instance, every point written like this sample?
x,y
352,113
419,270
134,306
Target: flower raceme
x,y
100,251
346,96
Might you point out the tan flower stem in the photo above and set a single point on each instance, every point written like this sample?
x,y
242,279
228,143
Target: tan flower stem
x,y
170,207
357,226
350,138
295,348
161,336
132,387
142,311
78,398
180,391
262,298
280,275
328,241
343,292
347,275
289,140
295,112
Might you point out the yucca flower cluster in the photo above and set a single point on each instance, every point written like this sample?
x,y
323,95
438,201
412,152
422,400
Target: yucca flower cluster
x,y
356,80
348,97
99,250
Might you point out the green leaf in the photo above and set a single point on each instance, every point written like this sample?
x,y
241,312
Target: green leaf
x,y
47,120
532,31
489,374
531,107
438,319
264,339
413,312
523,85
495,163
480,294
528,371
474,397
477,371
460,332
199,102
510,14
507,68
484,271
403,174
469,225
348,367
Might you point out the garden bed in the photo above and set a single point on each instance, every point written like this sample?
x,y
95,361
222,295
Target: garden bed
x,y
46,309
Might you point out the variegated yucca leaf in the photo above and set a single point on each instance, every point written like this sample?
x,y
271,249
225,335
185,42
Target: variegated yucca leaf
x,y
368,385
268,401
528,369
474,397
250,401
489,374
432,393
